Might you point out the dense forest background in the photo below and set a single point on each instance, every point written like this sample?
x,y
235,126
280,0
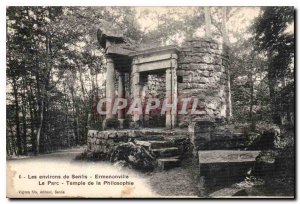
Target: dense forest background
x,y
55,66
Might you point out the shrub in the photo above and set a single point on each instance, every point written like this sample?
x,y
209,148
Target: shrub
x,y
92,156
127,121
156,121
96,126
112,123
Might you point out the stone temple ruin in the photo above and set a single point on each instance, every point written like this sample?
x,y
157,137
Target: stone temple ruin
x,y
198,69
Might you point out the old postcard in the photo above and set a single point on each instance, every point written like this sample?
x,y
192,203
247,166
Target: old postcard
x,y
150,102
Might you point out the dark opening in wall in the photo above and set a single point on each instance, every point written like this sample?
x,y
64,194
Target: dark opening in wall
x,y
179,79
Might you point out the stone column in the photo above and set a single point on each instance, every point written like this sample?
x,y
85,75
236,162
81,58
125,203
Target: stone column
x,y
110,86
168,97
171,92
121,93
135,88
174,87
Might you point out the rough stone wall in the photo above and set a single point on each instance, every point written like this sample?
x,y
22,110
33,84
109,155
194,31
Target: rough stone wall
x,y
207,135
202,66
105,141
156,86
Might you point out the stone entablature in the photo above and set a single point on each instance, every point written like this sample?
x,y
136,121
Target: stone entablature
x,y
156,60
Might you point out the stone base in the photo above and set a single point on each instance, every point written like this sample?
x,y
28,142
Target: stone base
x,y
207,135
104,141
121,123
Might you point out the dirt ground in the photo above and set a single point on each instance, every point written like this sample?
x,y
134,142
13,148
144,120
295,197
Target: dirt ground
x,y
180,181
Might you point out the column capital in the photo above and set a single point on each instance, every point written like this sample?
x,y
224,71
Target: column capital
x,y
174,55
169,70
109,59
134,61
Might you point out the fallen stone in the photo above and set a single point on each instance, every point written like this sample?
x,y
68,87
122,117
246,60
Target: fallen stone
x,y
156,144
225,192
166,152
136,156
226,166
227,156
167,163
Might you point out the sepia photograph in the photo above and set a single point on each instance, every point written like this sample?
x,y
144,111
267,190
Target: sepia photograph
x,y
150,102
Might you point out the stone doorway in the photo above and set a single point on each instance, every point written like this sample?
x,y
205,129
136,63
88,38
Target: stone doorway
x,y
153,85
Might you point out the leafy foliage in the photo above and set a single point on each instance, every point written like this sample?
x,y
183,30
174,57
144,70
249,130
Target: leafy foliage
x,y
272,38
54,69
112,123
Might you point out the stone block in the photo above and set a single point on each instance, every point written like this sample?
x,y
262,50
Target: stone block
x,y
205,73
164,164
225,166
98,142
204,80
227,156
214,46
93,140
155,144
166,152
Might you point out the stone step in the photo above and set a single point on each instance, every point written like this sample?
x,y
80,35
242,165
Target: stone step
x,y
154,144
165,152
156,131
167,163
151,138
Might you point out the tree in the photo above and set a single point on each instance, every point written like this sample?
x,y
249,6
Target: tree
x,y
53,67
272,39
207,22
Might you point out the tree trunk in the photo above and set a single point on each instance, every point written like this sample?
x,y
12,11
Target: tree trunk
x,y
273,102
38,134
251,104
40,95
75,115
24,137
9,140
224,26
85,97
33,117
207,22
17,120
